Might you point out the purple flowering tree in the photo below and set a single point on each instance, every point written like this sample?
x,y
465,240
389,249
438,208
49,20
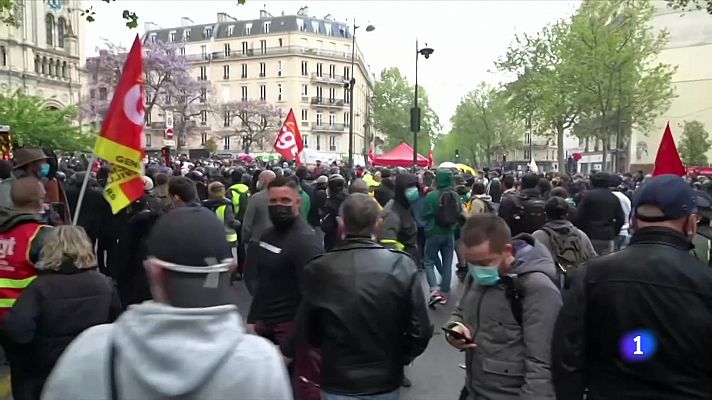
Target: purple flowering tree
x,y
253,121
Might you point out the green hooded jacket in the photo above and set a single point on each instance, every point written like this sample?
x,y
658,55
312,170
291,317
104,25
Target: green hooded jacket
x,y
443,181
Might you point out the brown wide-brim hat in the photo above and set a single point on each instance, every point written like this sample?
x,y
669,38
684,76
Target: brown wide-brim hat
x,y
25,156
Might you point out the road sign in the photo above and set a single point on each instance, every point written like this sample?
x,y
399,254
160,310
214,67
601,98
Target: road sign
x,y
169,134
169,119
169,143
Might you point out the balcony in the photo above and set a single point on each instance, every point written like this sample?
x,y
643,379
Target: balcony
x,y
328,103
162,124
305,99
338,128
336,80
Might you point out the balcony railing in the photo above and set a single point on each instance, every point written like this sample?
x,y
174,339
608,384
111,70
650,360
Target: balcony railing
x,y
317,127
325,78
162,124
326,102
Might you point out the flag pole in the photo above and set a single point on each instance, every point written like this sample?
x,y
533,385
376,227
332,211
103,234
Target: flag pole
x,y
83,191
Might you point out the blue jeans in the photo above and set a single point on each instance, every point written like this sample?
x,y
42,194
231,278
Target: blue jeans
x,y
443,245
383,396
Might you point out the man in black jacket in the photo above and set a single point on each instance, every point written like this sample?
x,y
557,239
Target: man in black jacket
x,y
518,209
336,196
399,229
600,215
636,324
364,345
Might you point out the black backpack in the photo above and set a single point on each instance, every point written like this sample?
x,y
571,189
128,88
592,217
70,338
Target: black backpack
x,y
447,214
530,213
514,291
495,190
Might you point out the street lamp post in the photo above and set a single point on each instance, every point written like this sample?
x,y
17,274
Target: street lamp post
x,y
350,86
415,111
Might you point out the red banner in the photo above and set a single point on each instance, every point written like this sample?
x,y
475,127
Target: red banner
x,y
667,161
289,141
431,159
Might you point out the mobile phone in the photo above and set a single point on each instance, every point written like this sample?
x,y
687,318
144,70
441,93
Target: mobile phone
x,y
457,335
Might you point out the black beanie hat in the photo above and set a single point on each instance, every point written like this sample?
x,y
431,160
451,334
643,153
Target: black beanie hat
x,y
189,236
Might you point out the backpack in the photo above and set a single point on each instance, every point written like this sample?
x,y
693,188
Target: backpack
x,y
567,252
515,292
530,213
489,208
447,214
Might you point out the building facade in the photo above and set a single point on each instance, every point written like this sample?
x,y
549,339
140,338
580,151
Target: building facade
x,y
293,62
41,54
690,49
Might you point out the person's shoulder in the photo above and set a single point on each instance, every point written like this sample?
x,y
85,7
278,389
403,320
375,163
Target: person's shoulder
x,y
88,346
255,351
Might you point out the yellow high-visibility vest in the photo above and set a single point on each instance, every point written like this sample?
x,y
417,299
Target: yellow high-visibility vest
x,y
230,234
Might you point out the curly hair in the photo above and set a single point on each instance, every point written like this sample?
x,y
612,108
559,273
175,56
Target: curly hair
x,y
66,244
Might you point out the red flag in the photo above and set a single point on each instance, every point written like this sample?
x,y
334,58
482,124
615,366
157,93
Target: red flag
x,y
370,155
289,141
667,161
122,142
431,160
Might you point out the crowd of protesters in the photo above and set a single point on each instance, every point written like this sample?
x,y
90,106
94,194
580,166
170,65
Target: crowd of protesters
x,y
556,277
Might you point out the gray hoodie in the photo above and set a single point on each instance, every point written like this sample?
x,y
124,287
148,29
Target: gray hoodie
x,y
512,361
165,352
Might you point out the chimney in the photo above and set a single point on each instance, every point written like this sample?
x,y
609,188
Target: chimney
x,y
150,26
222,17
264,14
185,21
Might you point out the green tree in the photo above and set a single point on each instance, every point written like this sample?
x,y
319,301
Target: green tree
x,y
33,124
392,101
614,45
444,148
483,125
694,144
211,146
691,5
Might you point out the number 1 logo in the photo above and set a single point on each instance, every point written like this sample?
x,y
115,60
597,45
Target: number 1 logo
x,y
638,346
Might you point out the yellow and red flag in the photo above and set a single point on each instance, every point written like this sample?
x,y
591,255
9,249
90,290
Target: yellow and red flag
x,y
121,141
289,141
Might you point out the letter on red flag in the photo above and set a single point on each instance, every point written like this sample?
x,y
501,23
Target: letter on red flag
x,y
289,141
667,161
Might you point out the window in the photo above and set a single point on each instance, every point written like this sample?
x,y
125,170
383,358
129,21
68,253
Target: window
x,y
319,119
306,141
320,70
347,96
103,93
263,46
332,143
148,140
342,31
207,33
230,30
204,51
226,143
332,119
203,95
347,50
327,28
266,26
226,72
263,70
305,90
319,92
300,25
153,38
315,26
280,42
203,137
332,71
319,45
38,63
318,145
49,26
347,120
279,92
44,65
226,118
3,57
172,36
61,25
305,68
332,94
243,92
181,51
244,71
92,94
304,43
244,48
203,117
203,74
279,68
248,29
227,49
305,115
64,70
263,93
347,73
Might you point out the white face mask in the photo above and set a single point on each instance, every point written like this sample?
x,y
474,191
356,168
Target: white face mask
x,y
212,271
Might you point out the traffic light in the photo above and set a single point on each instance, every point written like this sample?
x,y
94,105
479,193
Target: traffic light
x,y
166,154
457,153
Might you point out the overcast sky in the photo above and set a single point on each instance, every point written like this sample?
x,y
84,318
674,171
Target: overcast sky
x,y
468,36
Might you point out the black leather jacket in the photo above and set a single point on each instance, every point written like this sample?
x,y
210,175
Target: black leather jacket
x,y
365,308
654,284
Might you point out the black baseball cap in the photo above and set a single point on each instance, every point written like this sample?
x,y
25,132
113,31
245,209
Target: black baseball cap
x,y
672,194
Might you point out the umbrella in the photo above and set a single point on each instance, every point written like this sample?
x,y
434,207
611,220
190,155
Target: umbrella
x,y
466,169
448,164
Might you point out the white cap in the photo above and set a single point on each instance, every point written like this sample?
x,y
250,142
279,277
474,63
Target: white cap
x,y
147,183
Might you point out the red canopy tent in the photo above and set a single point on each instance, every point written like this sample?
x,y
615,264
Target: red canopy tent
x,y
400,156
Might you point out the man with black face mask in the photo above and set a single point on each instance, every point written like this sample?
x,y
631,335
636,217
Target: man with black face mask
x,y
274,268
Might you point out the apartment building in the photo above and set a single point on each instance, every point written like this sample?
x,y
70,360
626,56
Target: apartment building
x,y
295,61
40,54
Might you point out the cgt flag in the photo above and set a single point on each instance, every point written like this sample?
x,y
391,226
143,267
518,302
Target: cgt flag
x,y
121,141
289,141
667,161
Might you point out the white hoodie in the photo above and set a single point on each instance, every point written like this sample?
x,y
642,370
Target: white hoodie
x,y
165,352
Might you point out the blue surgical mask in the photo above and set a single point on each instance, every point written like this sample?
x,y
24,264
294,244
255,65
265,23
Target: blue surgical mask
x,y
485,275
412,194
44,171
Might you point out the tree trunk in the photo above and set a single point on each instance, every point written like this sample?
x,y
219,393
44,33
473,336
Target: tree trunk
x,y
561,154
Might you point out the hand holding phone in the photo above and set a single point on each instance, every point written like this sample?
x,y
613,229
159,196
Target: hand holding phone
x,y
459,337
